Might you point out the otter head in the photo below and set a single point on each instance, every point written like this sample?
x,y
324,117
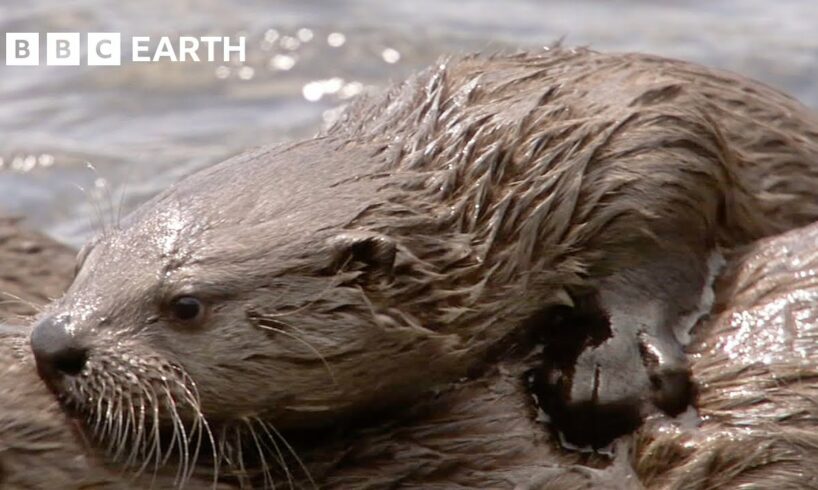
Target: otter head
x,y
245,292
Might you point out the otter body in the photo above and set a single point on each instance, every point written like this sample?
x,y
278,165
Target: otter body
x,y
398,251
755,360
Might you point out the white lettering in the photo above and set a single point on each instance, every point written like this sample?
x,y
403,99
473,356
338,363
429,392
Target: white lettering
x,y
239,48
139,45
22,48
62,49
211,41
165,49
104,49
188,47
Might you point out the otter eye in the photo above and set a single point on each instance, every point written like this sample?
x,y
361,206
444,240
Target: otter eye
x,y
186,308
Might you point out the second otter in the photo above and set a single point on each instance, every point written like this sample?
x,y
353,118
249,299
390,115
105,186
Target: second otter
x,y
309,282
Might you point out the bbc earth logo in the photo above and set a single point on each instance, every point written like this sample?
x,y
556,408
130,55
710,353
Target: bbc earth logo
x,y
105,49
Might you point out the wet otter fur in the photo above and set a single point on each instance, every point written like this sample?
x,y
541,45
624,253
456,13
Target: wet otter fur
x,y
753,361
35,270
479,433
299,286
753,358
756,364
41,448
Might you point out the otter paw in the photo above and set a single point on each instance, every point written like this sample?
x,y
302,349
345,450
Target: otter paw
x,y
610,386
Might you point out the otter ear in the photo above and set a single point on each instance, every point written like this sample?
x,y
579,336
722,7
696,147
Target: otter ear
x,y
376,252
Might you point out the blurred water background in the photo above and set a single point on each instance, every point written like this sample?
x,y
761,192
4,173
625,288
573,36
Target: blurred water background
x,y
142,126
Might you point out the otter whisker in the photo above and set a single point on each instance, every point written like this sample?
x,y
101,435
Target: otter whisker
x,y
121,423
99,412
125,430
16,318
14,299
102,183
122,193
189,386
195,431
108,418
173,437
265,467
230,455
135,434
147,444
240,455
200,426
267,324
109,427
179,435
139,435
188,462
277,449
107,423
152,451
93,201
155,451
116,422
297,459
223,459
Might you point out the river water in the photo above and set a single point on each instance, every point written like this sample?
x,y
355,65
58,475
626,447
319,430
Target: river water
x,y
77,141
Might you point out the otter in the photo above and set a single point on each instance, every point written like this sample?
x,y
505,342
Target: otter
x,y
754,424
492,416
755,361
295,287
42,448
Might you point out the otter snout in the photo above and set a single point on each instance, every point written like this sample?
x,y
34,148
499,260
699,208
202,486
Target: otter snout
x,y
57,351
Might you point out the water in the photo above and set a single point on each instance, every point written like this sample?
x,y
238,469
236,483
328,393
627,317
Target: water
x,y
142,126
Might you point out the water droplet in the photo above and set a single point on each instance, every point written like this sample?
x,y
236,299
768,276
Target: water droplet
x,y
45,160
351,89
304,35
271,35
390,55
336,39
282,62
290,43
246,72
222,72
313,91
332,85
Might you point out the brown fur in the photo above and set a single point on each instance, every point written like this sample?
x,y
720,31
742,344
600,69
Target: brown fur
x,y
756,363
47,269
40,447
756,404
754,359
397,252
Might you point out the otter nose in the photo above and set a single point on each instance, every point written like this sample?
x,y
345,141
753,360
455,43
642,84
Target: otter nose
x,y
56,351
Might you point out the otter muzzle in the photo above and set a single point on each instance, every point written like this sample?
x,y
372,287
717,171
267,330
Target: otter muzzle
x,y
56,350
